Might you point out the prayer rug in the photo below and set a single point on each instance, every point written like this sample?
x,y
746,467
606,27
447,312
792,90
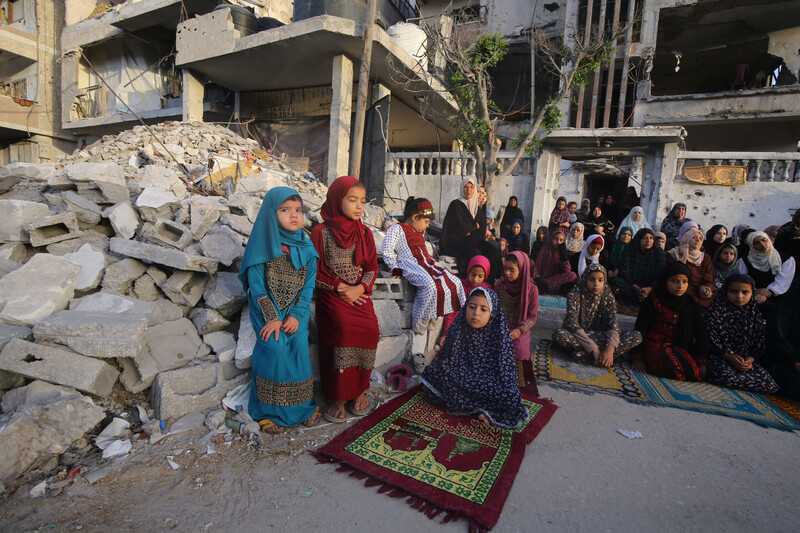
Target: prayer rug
x,y
560,371
441,463
708,398
790,407
550,300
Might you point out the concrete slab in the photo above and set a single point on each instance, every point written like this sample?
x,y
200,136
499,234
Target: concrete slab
x,y
163,256
17,213
103,335
194,388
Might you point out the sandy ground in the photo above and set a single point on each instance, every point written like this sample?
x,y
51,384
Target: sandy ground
x,y
690,471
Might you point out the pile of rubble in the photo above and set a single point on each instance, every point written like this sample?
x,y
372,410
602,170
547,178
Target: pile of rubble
x,y
118,274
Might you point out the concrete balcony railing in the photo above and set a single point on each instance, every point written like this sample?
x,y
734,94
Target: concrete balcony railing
x,y
760,166
447,164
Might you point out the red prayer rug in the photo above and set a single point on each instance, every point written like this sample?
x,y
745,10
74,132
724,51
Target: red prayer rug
x,y
441,463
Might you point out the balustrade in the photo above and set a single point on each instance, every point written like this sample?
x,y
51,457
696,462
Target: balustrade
x,y
759,166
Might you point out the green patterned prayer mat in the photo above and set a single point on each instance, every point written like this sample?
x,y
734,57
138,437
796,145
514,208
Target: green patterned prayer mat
x,y
554,367
708,398
438,462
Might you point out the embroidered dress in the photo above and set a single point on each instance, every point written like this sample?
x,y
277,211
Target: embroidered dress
x,y
476,372
278,272
520,302
675,341
591,321
737,330
348,334
439,292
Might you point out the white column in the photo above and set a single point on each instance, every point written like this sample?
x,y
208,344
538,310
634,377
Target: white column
x,y
341,109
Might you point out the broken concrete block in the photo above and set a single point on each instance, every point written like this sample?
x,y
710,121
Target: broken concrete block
x,y
154,203
58,365
96,173
38,289
138,372
163,256
162,178
10,381
49,230
225,294
203,218
223,245
92,263
238,223
392,350
408,290
207,320
247,204
121,275
194,388
169,233
387,288
146,289
389,317
123,219
31,171
220,341
17,213
88,213
14,332
262,182
103,335
112,302
36,393
185,287
406,311
36,430
246,340
98,241
7,266
157,274
173,344
14,251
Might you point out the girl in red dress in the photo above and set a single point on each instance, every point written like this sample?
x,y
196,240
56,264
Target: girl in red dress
x,y
346,321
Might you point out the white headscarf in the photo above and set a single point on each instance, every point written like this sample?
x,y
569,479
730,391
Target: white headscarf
x,y
472,203
573,244
763,261
684,254
595,259
634,225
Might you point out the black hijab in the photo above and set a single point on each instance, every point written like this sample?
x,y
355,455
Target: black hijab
x,y
511,213
710,245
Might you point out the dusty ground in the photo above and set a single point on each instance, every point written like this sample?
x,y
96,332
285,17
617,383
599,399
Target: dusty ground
x,y
691,471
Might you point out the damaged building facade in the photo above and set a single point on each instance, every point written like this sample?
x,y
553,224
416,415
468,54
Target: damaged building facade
x,y
30,125
691,84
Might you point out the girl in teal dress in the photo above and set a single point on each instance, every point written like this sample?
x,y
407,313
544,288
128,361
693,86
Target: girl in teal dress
x,y
278,273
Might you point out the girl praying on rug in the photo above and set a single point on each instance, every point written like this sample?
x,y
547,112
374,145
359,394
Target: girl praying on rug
x,y
438,291
538,244
475,372
346,321
773,275
641,264
552,271
783,343
675,343
478,271
278,271
590,329
737,338
689,252
519,298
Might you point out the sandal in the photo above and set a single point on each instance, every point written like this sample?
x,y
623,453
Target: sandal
x,y
335,419
397,377
312,420
268,426
351,406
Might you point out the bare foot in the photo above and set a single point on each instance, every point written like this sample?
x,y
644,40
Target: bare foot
x,y
336,410
361,402
483,420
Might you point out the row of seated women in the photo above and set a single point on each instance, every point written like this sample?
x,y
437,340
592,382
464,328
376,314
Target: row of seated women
x,y
728,345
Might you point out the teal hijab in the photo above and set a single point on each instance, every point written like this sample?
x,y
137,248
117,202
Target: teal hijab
x,y
267,236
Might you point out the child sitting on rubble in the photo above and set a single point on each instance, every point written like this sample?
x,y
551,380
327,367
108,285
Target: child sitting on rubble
x,y
475,373
281,391
439,292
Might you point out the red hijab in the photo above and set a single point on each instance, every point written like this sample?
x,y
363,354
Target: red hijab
x,y
345,232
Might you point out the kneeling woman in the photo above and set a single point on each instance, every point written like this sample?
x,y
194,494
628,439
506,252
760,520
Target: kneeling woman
x,y
675,341
590,326
476,373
